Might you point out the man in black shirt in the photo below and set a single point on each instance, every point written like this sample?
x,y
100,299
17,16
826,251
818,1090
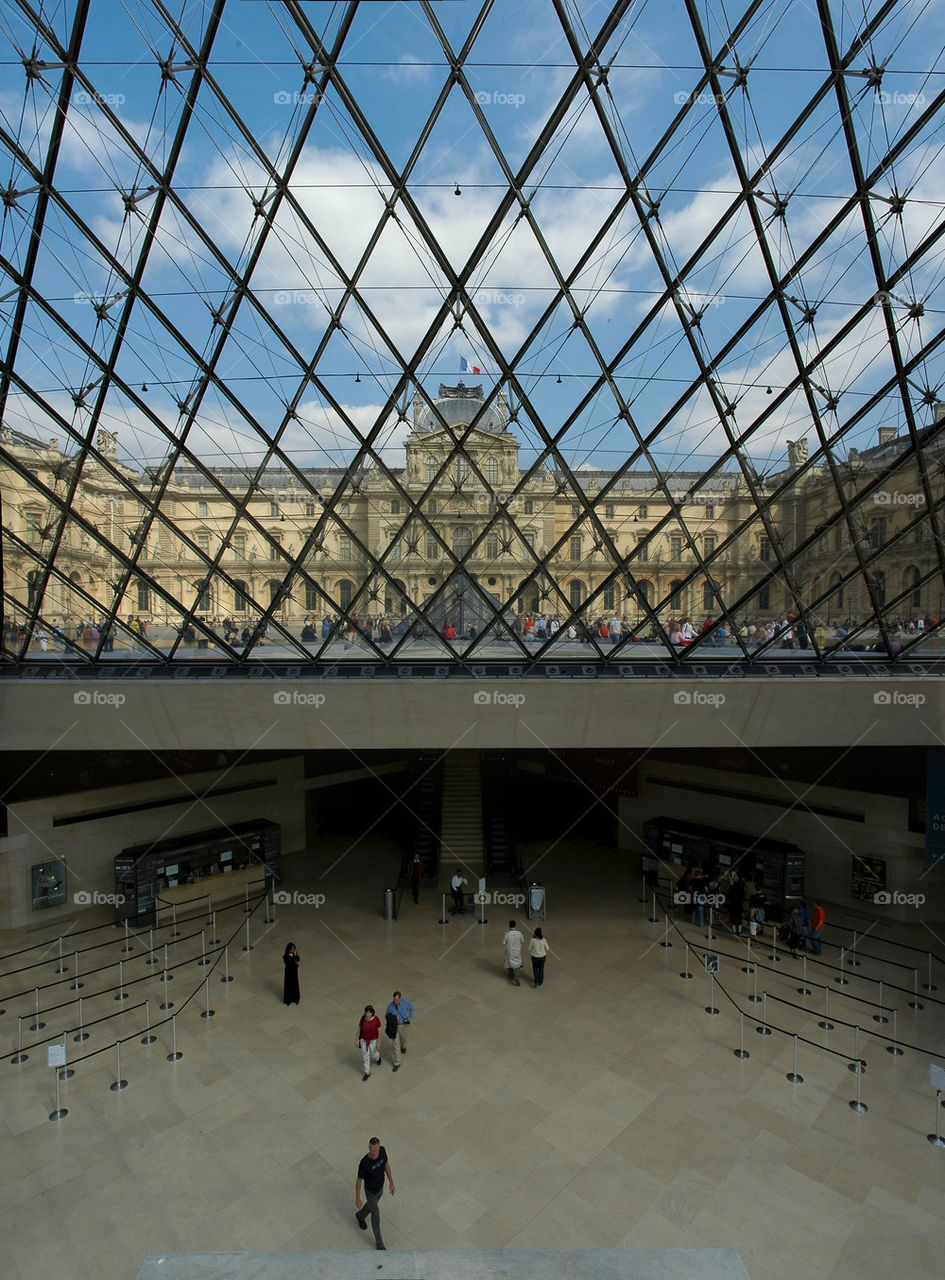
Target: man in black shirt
x,y
371,1172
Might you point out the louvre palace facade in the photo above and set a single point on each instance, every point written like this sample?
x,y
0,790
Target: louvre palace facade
x,y
94,539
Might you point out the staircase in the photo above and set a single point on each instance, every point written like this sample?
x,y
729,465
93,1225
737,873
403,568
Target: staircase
x,y
461,816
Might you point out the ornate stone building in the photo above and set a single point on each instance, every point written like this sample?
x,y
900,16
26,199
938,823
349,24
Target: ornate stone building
x,y
85,533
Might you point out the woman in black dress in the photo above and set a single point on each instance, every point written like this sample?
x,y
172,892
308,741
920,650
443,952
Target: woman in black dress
x,y
290,987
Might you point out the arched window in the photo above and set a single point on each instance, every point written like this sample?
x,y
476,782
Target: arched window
x,y
644,589
240,602
462,541
345,593
203,596
576,593
275,589
879,587
462,468
432,466
610,596
311,597
675,594
144,597
492,470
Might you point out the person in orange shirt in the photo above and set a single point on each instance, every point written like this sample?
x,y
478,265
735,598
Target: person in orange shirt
x,y
817,921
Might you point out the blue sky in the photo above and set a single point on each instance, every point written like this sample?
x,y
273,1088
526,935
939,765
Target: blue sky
x,y
521,62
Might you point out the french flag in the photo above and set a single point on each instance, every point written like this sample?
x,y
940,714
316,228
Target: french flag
x,y
466,367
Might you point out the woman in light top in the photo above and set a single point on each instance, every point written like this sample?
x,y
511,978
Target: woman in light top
x,y
538,950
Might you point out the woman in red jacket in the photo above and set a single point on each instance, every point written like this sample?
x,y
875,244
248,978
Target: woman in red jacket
x,y
369,1028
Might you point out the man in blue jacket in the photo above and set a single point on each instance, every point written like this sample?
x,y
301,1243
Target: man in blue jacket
x,y
399,1013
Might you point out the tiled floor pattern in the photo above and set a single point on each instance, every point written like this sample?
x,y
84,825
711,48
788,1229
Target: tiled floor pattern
x,y
604,1110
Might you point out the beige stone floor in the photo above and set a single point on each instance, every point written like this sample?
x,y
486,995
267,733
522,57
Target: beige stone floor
x,y
604,1110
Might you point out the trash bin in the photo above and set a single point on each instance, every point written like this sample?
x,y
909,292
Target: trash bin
x,y
536,900
388,904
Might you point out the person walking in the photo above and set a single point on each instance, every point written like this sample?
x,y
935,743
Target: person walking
x,y
817,922
513,943
290,983
456,889
372,1170
538,950
400,1010
369,1028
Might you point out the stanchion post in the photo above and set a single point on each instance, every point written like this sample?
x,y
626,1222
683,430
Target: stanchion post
x,y
169,975
915,1003
208,1012
685,973
764,1029
213,928
710,1007
247,946
792,1075
122,993
936,1138
77,985
66,1072
81,1034
175,932
741,1051
826,1023
666,942
642,897
851,958
152,958
119,1083
881,1016
148,1038
748,967
203,961
246,906
443,919
857,1065
840,980
127,947
60,1110
37,1025
174,1053
930,985
19,1056
226,965
857,1104
804,989
166,1004
774,957
62,968
894,1048
711,937
755,998
654,918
